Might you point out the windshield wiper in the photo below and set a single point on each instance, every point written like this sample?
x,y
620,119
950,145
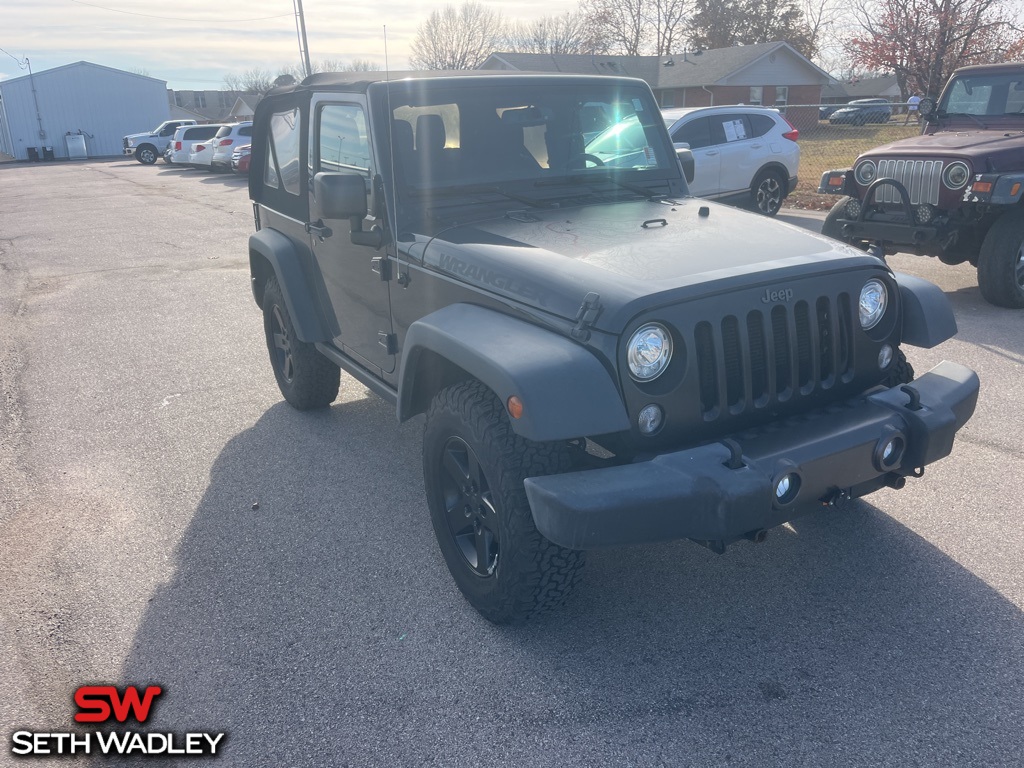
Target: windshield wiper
x,y
589,179
964,114
478,189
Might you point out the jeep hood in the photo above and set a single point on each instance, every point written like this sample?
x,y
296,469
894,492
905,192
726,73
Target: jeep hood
x,y
635,255
967,143
144,135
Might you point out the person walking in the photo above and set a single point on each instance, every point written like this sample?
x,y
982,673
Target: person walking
x,y
912,111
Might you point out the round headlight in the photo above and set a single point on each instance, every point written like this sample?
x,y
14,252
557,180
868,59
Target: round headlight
x,y
649,352
864,173
956,175
873,300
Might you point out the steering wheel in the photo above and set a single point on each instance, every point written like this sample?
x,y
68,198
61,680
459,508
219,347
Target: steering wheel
x,y
594,159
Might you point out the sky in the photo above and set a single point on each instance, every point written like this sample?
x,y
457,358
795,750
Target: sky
x,y
193,45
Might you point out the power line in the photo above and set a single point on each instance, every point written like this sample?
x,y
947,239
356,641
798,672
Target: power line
x,y
21,62
178,18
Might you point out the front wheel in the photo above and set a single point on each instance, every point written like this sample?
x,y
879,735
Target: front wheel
x,y
306,378
767,192
1001,262
146,154
473,470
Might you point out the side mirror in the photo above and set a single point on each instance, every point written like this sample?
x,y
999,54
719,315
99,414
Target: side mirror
x,y
340,195
686,161
343,196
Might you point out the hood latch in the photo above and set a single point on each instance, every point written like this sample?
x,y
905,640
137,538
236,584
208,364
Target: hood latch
x,y
586,316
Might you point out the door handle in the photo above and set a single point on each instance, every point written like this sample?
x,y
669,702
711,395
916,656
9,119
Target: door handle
x,y
712,153
319,229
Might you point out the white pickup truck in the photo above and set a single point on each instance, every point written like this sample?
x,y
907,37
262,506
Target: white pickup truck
x,y
147,147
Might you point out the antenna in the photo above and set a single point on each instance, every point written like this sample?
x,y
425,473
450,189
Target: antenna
x,y
403,280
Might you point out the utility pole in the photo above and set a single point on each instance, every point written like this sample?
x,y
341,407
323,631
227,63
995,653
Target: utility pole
x,y
300,28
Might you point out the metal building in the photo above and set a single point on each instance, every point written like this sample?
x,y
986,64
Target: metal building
x,y
77,110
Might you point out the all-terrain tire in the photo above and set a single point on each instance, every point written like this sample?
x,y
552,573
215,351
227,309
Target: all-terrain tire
x,y
306,378
474,465
767,192
1001,261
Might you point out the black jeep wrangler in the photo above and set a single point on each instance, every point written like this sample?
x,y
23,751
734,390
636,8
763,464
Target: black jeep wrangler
x,y
955,192
602,360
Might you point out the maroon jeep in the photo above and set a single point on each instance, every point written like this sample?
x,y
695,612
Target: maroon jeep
x,y
955,191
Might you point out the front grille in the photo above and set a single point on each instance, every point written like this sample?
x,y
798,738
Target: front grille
x,y
920,177
125,143
745,363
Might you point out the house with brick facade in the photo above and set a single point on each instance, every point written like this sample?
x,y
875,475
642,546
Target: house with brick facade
x,y
767,74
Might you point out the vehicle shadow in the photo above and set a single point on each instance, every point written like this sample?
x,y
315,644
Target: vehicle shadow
x,y
312,619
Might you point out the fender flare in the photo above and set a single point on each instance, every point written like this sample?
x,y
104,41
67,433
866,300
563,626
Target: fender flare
x,y
565,389
927,314
269,250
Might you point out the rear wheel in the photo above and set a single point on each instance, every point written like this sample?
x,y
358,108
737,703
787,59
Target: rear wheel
x,y
306,378
767,192
474,465
1001,262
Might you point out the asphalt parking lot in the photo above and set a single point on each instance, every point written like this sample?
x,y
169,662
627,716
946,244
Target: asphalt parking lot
x,y
165,518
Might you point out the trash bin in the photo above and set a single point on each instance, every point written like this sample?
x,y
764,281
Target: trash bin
x,y
33,154
47,153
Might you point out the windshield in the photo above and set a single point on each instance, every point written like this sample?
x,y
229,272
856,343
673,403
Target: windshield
x,y
515,138
985,94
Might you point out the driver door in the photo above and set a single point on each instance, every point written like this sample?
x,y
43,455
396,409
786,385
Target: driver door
x,y
352,279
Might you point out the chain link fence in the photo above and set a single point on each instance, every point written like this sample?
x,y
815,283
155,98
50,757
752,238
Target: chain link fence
x,y
833,135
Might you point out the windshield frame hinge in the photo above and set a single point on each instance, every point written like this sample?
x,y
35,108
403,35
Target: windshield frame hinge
x,y
586,316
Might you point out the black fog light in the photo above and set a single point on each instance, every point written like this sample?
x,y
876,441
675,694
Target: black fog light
x,y
924,213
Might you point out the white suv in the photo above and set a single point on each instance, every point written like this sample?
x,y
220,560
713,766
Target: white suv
x,y
745,155
184,138
228,139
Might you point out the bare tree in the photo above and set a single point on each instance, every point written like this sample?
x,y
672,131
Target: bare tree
x,y
621,24
669,19
251,81
332,65
363,65
457,38
638,27
923,41
569,33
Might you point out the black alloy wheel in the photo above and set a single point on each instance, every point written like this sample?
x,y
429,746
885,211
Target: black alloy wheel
x,y
470,507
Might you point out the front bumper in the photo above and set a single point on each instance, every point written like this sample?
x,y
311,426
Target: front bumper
x,y
129,151
694,494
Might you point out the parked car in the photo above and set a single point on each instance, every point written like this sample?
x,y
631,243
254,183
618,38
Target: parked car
x,y
227,140
240,158
863,111
147,147
184,138
825,111
600,359
200,155
744,155
955,192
